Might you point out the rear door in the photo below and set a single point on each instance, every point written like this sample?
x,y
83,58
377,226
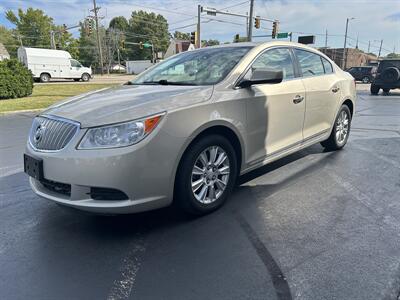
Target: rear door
x,y
275,112
322,92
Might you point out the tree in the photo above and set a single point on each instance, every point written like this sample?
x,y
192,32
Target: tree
x,y
88,51
393,55
120,23
205,43
150,28
9,41
182,35
33,26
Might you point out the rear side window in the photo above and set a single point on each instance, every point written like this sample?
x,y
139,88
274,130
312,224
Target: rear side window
x,y
310,63
327,66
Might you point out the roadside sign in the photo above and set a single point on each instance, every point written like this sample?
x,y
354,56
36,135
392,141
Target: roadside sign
x,y
146,45
307,39
282,35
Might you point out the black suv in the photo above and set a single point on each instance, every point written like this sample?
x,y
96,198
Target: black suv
x,y
387,76
364,74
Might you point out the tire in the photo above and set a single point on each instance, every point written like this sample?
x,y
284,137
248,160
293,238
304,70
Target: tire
x,y
365,79
374,89
198,198
337,141
44,77
391,75
85,77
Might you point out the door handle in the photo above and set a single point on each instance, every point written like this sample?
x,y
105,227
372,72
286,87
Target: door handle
x,y
298,99
335,89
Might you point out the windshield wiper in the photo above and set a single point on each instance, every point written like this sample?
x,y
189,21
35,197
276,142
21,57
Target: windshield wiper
x,y
166,82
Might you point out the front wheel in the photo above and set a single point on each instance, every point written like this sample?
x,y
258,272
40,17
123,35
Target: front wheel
x,y
340,131
85,77
206,176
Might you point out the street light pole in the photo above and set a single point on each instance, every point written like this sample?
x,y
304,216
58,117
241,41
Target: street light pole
x,y
345,44
250,31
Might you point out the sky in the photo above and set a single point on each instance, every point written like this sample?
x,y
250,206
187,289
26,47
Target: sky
x,y
373,20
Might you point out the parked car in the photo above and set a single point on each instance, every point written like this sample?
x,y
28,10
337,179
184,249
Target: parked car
x,y
387,76
187,127
364,74
48,63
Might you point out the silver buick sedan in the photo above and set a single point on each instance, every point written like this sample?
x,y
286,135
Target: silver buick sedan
x,y
186,128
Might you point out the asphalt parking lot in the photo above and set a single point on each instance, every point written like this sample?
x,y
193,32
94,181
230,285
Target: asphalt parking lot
x,y
314,225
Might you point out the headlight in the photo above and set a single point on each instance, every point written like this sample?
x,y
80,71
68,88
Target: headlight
x,y
119,135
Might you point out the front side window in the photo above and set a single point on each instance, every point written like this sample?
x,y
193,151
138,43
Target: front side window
x,y
200,67
310,63
275,59
75,63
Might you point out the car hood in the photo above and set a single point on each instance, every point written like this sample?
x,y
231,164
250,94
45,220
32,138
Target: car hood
x,y
127,102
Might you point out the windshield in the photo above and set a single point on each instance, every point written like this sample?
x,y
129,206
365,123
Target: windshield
x,y
201,67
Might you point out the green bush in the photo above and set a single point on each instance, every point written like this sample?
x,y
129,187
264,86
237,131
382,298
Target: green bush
x,y
15,79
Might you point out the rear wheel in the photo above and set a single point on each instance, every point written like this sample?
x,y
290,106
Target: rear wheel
x,y
365,79
44,77
340,131
206,175
375,89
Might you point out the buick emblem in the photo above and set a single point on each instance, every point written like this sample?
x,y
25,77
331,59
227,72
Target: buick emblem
x,y
39,133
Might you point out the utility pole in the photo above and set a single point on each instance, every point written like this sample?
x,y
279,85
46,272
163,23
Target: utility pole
x,y
326,38
250,31
380,49
345,44
369,45
96,19
52,40
357,42
198,38
247,24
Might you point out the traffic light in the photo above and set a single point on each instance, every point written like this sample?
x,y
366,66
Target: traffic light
x,y
89,26
140,45
193,37
257,22
274,29
236,38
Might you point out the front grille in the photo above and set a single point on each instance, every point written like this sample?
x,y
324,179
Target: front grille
x,y
51,134
57,187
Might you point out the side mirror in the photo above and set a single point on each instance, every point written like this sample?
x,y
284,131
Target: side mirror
x,y
262,76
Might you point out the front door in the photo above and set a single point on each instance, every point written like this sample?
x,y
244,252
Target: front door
x,y
275,112
75,69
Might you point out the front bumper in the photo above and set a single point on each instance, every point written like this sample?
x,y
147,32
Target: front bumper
x,y
144,172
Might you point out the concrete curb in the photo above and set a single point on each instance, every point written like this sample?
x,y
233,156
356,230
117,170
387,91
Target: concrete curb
x,y
21,111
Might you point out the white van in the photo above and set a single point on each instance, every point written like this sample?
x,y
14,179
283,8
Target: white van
x,y
48,63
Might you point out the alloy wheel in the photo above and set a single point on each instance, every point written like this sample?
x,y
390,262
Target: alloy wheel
x,y
210,174
342,127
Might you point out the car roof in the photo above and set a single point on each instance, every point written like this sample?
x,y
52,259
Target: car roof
x,y
261,44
